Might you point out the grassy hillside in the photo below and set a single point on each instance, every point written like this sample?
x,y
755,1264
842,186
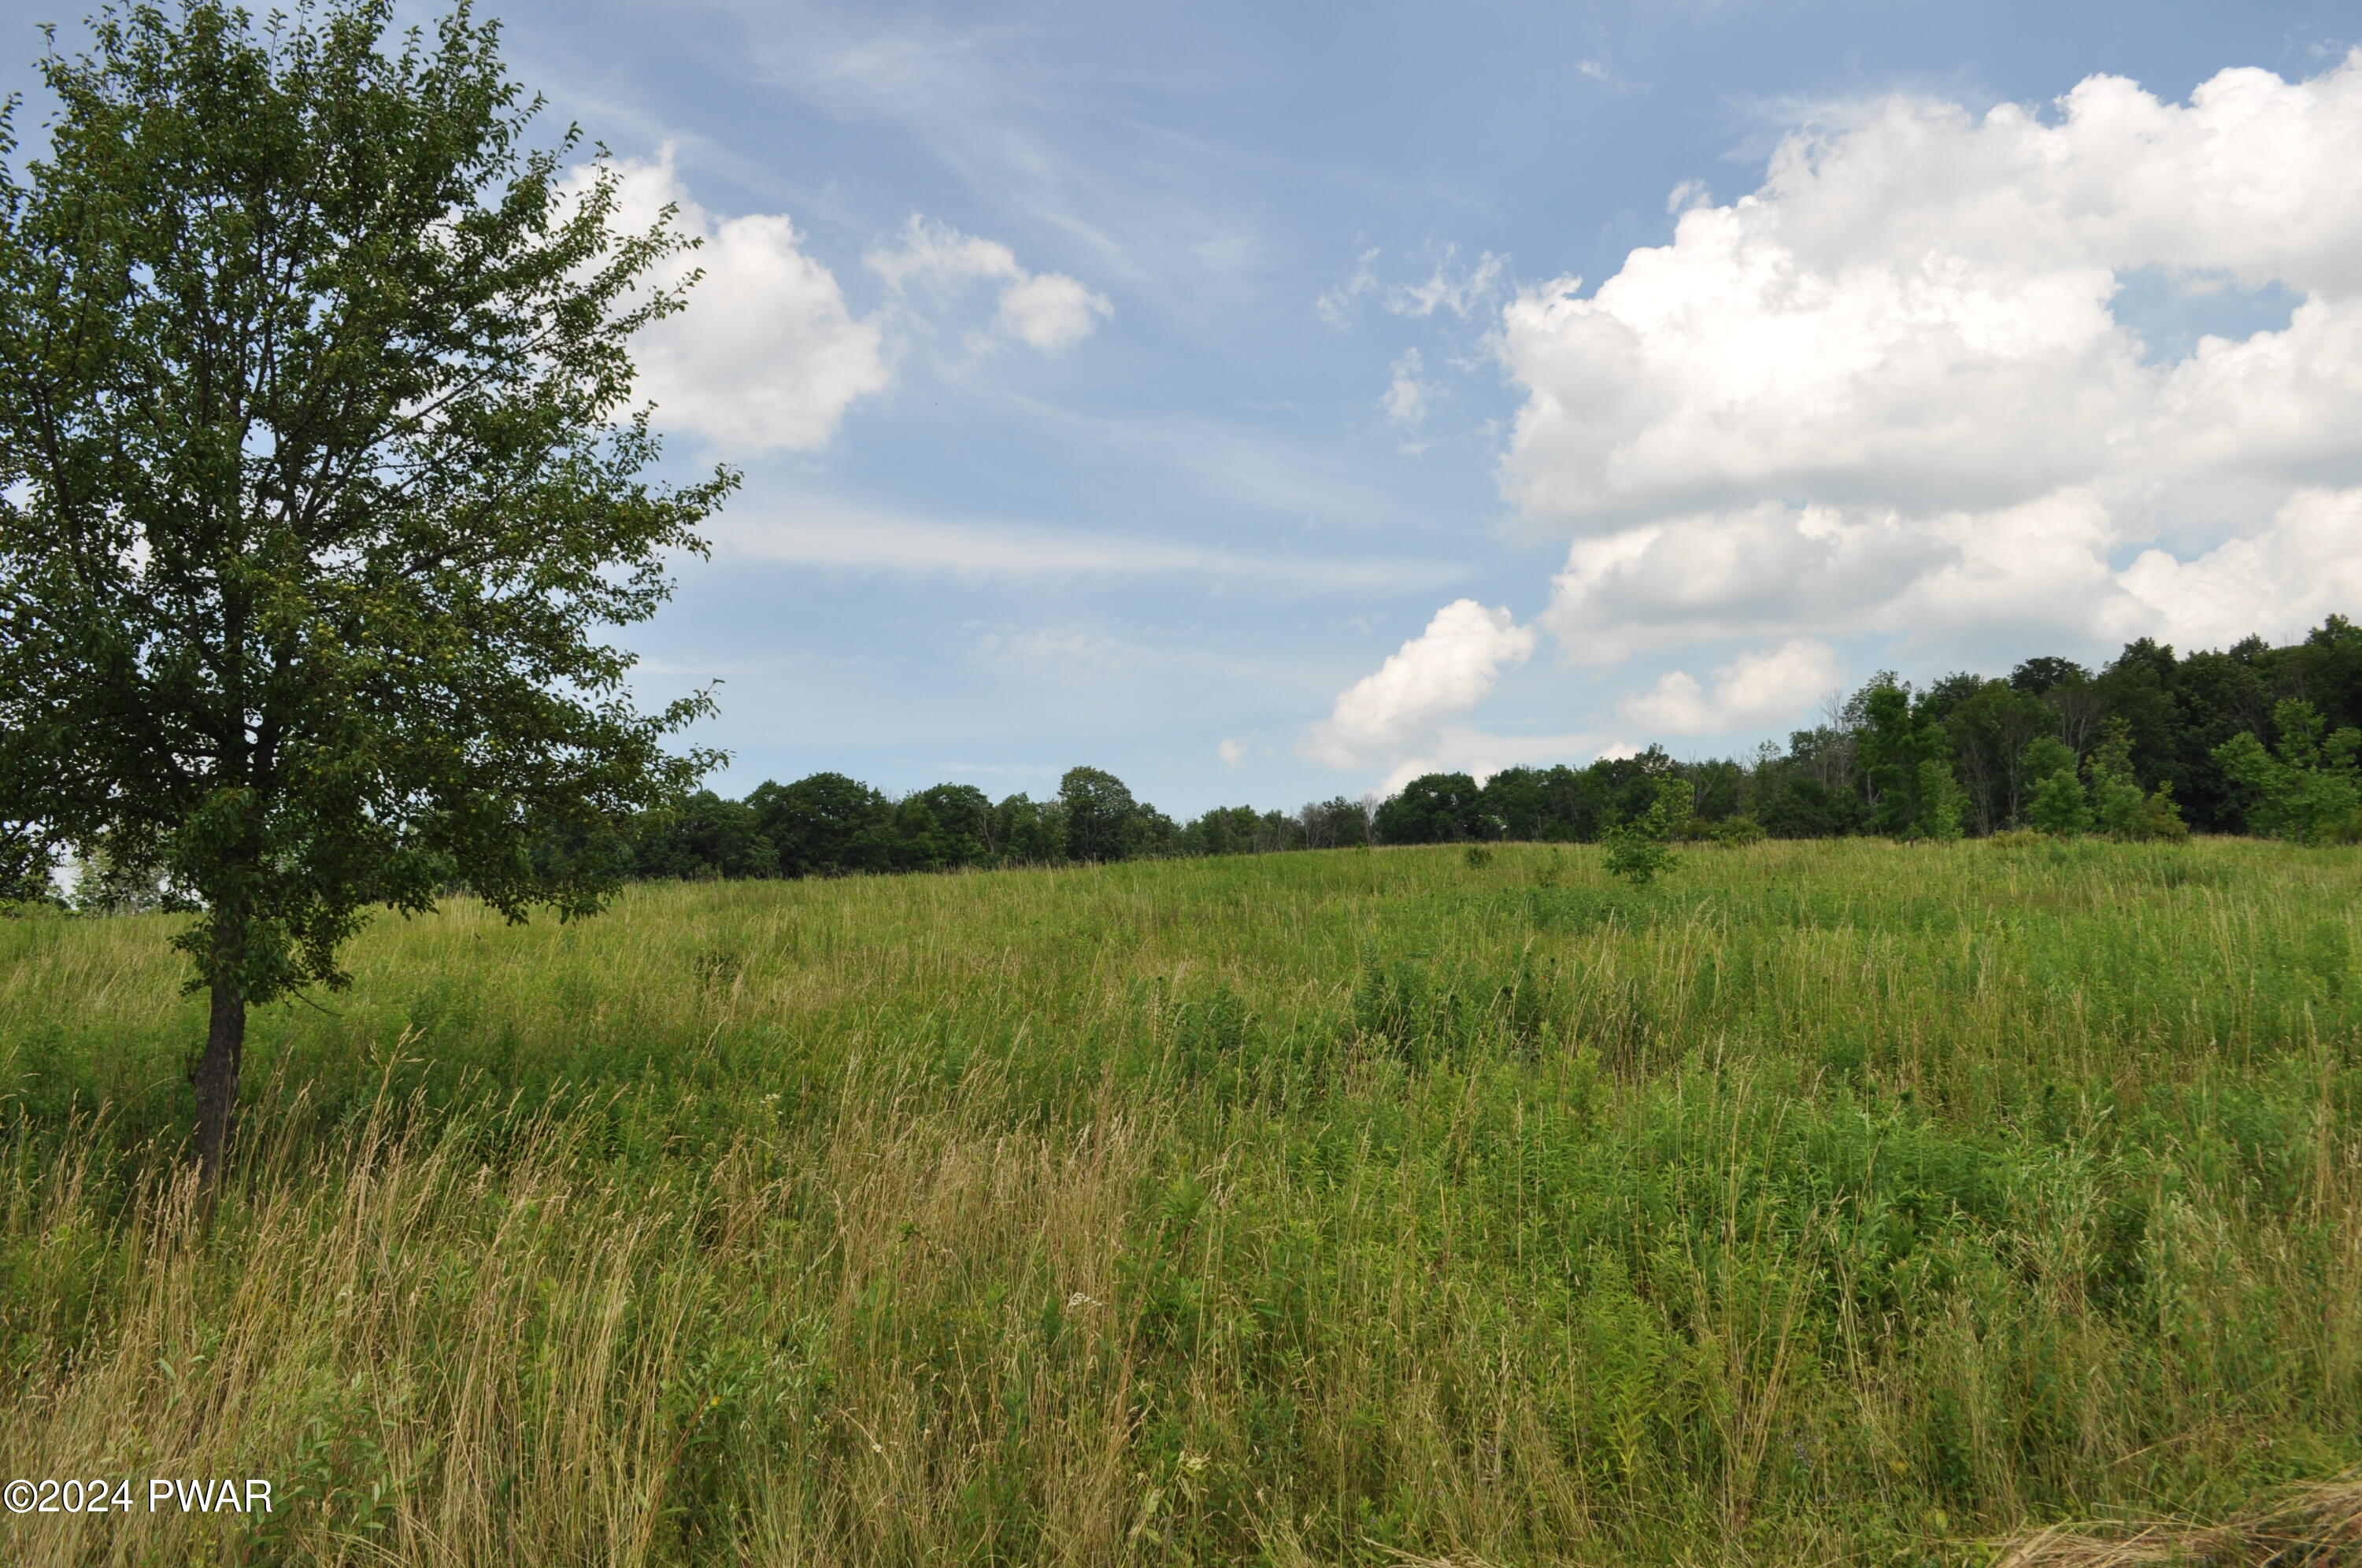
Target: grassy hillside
x,y
1835,1200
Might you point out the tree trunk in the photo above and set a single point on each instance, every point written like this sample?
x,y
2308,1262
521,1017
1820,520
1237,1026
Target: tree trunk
x,y
218,1075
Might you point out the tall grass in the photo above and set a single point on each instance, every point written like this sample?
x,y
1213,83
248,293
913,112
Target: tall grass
x,y
1830,1202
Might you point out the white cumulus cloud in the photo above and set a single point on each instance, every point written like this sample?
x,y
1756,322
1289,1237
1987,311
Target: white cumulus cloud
x,y
1438,674
1897,389
767,357
1051,311
2305,565
1759,688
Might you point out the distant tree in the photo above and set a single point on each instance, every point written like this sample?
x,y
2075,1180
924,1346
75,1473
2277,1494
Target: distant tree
x,y
1826,752
1990,731
1945,697
317,477
706,838
1626,786
1435,808
1149,834
594,852
1720,787
2311,791
1969,754
1905,755
1276,832
1888,745
2327,670
919,842
2068,687
1516,804
1225,830
1026,832
2119,807
962,818
2116,797
2040,677
1637,849
1939,802
2218,694
2057,804
1558,803
2137,689
1806,808
1737,831
26,867
1099,811
1209,833
1335,823
106,885
825,825
1575,805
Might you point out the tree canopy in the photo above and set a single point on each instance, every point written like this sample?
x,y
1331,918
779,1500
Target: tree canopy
x,y
320,477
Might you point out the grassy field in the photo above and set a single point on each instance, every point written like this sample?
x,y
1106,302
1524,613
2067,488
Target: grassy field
x,y
1830,1202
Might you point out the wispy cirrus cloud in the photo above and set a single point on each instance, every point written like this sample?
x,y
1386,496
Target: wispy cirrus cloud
x,y
1451,287
862,537
1069,145
1046,311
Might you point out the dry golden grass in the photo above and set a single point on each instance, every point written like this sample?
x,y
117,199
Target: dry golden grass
x,y
2317,1526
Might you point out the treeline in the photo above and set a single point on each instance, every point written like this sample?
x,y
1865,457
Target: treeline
x,y
2254,738
2149,746
829,825
2250,739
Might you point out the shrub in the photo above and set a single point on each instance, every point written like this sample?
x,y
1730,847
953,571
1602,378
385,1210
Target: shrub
x,y
1636,850
2118,806
2059,807
2308,793
1941,802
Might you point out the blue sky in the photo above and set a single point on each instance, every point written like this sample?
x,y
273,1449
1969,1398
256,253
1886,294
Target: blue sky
x,y
1206,393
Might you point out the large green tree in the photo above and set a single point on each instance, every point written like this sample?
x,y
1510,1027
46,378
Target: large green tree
x,y
321,478
1906,755
1434,807
825,825
1100,812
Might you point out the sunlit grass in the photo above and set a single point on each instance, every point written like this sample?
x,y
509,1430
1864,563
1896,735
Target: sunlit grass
x,y
1829,1201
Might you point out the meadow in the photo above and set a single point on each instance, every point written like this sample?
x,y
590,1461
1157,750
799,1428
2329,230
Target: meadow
x,y
1828,1202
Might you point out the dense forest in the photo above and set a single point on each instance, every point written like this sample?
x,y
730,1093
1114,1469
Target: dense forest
x,y
2254,738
